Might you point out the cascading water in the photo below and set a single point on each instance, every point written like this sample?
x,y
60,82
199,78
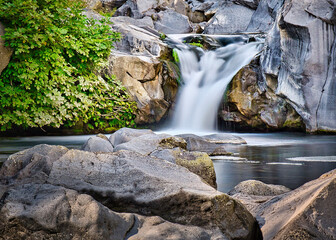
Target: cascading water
x,y
205,76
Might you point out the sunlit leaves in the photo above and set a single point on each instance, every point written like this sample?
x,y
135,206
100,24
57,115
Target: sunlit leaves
x,y
52,77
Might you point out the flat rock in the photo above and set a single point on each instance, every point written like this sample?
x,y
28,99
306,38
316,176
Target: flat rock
x,y
130,182
146,144
126,134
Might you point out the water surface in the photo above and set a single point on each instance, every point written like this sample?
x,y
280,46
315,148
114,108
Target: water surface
x,y
272,158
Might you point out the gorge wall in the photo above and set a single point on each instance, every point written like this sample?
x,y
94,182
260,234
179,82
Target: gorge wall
x,y
291,84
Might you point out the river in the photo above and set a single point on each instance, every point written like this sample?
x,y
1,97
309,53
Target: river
x,y
279,158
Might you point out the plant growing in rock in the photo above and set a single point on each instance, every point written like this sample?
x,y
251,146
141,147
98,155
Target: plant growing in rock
x,y
52,78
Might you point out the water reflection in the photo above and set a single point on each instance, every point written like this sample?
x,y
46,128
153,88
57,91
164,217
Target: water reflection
x,y
270,153
264,158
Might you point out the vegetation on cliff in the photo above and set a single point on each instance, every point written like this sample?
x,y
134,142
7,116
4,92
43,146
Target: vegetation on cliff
x,y
54,77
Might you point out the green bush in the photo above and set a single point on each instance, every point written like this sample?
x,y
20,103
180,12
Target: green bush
x,y
52,78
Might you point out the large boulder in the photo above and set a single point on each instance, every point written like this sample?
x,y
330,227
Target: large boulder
x,y
130,182
5,52
300,54
141,65
44,211
98,143
126,134
230,18
147,143
307,212
170,21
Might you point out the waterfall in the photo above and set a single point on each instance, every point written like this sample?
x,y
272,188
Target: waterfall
x,y
205,76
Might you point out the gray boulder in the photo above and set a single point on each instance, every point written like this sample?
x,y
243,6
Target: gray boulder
x,y
126,134
97,144
5,52
43,211
130,182
307,212
146,144
36,161
231,18
170,21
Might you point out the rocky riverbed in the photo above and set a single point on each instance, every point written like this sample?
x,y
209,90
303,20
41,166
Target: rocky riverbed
x,y
141,185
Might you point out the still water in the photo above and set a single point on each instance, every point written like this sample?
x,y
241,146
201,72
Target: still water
x,y
278,158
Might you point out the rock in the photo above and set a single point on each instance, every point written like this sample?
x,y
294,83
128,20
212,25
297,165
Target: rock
x,y
126,134
231,18
43,211
130,182
196,162
253,4
94,4
265,15
253,193
157,229
36,211
5,52
253,105
112,4
258,188
36,160
97,144
170,21
307,212
211,144
139,66
146,144
300,55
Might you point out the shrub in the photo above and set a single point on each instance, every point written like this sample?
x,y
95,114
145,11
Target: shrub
x,y
52,78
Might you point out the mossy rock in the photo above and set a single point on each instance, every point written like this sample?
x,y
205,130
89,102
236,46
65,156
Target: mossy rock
x,y
199,163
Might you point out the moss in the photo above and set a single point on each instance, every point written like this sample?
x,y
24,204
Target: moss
x,y
200,164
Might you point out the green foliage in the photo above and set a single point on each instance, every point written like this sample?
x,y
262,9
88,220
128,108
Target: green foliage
x,y
175,56
163,36
52,78
196,44
107,12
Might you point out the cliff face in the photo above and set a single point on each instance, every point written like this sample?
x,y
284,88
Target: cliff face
x,y
297,64
300,53
295,73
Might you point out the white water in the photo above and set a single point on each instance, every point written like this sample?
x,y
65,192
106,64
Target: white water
x,y
205,80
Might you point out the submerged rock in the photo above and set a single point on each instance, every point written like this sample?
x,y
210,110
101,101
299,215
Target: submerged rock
x,y
128,182
258,188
